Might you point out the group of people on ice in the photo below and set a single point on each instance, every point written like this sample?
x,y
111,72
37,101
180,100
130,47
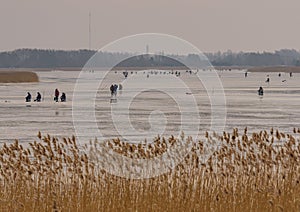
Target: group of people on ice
x,y
113,91
38,98
63,97
261,90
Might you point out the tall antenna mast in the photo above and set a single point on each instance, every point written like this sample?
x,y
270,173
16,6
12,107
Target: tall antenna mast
x,y
90,30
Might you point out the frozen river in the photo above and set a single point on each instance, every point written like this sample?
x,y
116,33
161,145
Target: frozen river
x,y
278,108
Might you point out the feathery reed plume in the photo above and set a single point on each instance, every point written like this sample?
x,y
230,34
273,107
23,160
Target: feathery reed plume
x,y
244,172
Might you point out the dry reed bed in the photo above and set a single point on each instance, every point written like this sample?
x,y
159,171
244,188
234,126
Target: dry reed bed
x,y
12,76
245,172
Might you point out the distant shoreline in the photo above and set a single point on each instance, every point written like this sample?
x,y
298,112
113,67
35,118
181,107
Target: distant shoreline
x,y
295,69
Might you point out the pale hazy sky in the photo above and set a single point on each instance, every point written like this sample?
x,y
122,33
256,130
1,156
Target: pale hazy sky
x,y
211,25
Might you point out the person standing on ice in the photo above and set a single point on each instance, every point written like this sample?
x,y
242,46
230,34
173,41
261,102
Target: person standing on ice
x,y
260,91
112,90
115,89
56,95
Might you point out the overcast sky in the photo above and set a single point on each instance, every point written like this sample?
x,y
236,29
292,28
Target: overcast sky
x,y
211,25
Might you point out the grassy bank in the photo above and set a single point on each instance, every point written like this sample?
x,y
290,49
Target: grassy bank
x,y
18,76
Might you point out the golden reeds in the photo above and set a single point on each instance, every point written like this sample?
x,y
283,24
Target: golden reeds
x,y
232,171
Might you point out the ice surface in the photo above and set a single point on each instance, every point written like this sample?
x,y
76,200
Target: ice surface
x,y
151,111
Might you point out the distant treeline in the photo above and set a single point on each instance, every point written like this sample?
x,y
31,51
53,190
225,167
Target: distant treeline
x,y
287,57
37,58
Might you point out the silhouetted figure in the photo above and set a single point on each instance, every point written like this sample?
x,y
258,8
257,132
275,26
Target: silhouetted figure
x,y
112,90
63,97
28,97
115,89
246,74
260,91
291,74
38,97
56,95
125,73
268,80
279,74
